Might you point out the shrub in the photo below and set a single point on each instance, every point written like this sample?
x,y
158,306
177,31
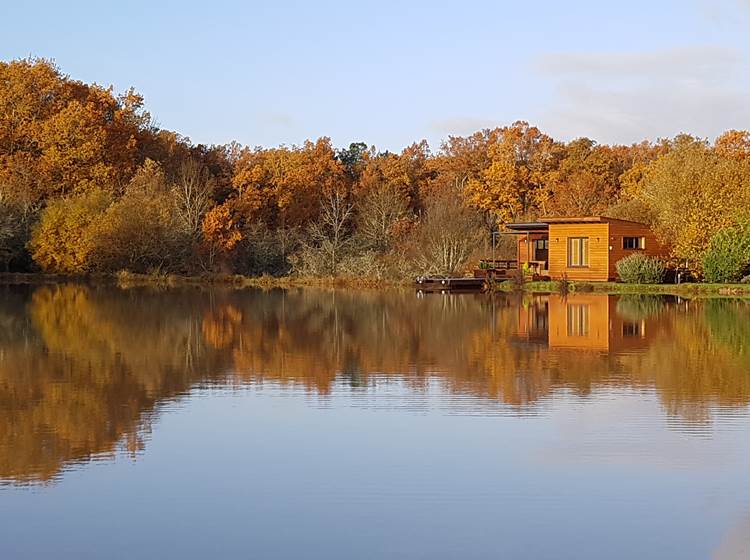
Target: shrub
x,y
727,258
62,241
139,233
640,269
518,280
564,285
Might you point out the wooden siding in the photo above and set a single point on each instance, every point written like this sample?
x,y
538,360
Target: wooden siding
x,y
598,235
619,229
605,248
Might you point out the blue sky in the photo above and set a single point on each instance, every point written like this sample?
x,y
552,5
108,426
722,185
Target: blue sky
x,y
389,73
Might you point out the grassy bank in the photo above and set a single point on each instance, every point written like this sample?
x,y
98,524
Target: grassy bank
x,y
128,279
688,289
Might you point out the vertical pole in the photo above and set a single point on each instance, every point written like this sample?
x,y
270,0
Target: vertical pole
x,y
528,247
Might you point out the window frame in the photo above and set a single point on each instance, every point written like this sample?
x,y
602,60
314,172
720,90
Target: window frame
x,y
583,252
640,242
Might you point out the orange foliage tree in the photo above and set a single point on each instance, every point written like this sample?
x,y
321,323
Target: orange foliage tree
x,y
520,159
61,136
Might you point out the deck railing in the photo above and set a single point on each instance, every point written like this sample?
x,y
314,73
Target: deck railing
x,y
511,264
498,264
506,268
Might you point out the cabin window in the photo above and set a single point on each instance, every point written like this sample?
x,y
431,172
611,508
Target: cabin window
x,y
633,242
578,320
541,244
578,251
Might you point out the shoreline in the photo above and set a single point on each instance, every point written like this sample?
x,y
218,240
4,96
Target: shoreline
x,y
237,281
234,281
687,289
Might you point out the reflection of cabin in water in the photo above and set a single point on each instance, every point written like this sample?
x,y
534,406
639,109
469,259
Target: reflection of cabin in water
x,y
583,248
583,322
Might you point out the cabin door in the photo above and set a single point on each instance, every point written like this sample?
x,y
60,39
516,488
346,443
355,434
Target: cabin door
x,y
541,249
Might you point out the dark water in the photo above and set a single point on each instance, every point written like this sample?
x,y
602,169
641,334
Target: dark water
x,y
319,424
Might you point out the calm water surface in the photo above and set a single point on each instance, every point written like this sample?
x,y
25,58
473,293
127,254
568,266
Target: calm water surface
x,y
318,424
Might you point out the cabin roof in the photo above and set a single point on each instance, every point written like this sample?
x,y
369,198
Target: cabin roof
x,y
527,226
543,223
584,220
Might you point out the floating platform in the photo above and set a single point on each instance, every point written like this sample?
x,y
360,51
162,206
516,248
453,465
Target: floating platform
x,y
438,284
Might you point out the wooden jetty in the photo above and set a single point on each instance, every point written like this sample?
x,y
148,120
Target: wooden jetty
x,y
452,285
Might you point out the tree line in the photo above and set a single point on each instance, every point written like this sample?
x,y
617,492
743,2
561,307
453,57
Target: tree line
x,y
89,184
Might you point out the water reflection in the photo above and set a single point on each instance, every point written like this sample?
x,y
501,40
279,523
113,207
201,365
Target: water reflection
x,y
84,369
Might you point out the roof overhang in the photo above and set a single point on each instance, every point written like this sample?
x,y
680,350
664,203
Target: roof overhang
x,y
542,225
527,226
584,220
575,220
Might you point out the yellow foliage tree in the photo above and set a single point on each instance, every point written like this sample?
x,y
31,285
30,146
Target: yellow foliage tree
x,y
693,191
63,240
141,232
734,144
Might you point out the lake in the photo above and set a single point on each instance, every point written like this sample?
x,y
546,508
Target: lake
x,y
187,423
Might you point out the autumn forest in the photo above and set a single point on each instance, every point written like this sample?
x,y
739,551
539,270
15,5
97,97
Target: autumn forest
x,y
89,184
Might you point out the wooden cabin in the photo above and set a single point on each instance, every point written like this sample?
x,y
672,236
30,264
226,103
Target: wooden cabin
x,y
581,248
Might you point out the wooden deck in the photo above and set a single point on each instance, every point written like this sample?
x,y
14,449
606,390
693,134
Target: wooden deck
x,y
503,269
490,270
439,284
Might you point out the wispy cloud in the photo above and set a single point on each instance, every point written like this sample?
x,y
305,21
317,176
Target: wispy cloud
x,y
276,119
625,97
460,125
722,12
687,62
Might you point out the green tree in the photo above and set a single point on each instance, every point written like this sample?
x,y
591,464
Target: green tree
x,y
727,258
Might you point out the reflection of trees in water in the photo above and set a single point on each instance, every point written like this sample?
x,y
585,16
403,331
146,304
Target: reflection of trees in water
x,y
729,324
82,369
89,373
635,307
690,365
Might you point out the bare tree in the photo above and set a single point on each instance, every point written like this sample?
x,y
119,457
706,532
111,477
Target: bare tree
x,y
448,235
380,209
329,236
335,215
9,226
193,191
15,222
